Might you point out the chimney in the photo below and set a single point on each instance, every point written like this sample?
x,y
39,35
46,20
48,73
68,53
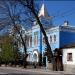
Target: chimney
x,y
66,23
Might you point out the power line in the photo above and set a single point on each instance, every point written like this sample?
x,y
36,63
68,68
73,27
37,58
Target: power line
x,y
64,13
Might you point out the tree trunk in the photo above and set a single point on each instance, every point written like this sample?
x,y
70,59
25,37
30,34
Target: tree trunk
x,y
30,5
45,36
40,59
24,60
25,49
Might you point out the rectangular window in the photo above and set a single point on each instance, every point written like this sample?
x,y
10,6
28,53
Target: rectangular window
x,y
69,56
35,38
30,41
27,42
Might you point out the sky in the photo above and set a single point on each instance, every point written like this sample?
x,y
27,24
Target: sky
x,y
62,10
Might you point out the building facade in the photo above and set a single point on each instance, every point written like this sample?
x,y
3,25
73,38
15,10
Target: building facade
x,y
58,36
69,57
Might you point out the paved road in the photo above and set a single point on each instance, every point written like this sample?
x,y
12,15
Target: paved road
x,y
21,71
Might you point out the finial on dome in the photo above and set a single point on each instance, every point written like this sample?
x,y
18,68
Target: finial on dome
x,y
43,12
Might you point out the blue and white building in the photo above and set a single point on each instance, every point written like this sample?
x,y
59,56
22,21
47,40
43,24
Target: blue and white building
x,y
58,36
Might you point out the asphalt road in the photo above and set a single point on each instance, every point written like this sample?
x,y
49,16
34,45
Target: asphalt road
x,y
21,71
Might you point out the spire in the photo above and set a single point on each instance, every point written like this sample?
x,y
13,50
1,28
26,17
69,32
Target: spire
x,y
43,12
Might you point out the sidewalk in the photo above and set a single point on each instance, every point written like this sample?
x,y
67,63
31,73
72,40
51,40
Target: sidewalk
x,y
40,71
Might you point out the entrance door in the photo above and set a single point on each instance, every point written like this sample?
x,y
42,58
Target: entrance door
x,y
35,57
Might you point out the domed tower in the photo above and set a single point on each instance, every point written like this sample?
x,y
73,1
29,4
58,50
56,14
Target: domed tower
x,y
45,19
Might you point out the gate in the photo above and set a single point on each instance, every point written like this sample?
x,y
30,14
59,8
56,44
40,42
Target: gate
x,y
58,65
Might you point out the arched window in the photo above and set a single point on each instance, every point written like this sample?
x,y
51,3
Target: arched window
x,y
50,39
54,38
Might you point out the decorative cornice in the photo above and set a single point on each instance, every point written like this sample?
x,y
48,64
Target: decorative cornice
x,y
35,27
51,30
67,28
54,29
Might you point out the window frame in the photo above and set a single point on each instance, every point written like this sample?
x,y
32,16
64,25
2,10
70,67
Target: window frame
x,y
69,57
54,38
36,38
51,39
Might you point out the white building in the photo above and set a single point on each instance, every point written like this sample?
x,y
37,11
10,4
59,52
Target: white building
x,y
69,57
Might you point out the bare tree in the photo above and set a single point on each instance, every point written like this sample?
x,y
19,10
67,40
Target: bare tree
x,y
30,5
11,17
